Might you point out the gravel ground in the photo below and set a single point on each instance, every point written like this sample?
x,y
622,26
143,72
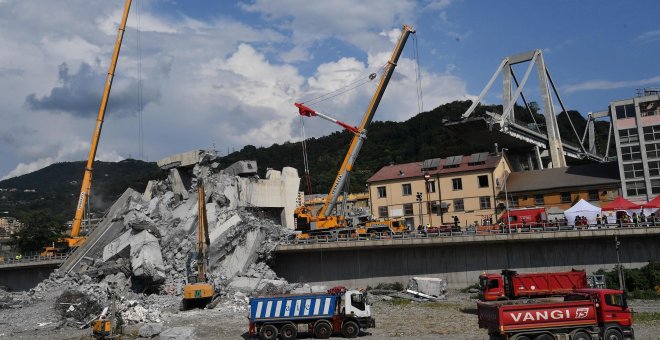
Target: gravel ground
x,y
453,318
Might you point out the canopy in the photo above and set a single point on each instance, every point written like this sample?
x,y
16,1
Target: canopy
x,y
653,204
620,203
582,208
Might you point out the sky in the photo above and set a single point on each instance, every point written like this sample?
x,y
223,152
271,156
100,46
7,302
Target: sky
x,y
224,74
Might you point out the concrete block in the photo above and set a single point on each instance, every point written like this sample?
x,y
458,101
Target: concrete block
x,y
242,168
244,284
211,214
178,186
178,333
243,255
428,285
148,191
184,159
146,257
150,330
216,232
120,247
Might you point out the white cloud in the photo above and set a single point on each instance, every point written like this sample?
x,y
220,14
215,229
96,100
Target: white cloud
x,y
648,36
594,85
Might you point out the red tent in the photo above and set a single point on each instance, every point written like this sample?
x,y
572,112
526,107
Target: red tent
x,y
653,204
620,203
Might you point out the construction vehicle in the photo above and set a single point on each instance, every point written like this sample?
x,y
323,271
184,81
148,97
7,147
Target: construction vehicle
x,y
198,292
326,220
584,314
523,217
75,240
511,285
339,311
109,325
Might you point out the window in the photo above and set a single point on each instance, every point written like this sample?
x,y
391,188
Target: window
x,y
629,153
484,202
357,301
618,300
430,186
410,222
538,200
457,183
458,204
653,150
483,181
382,212
433,207
655,186
493,283
565,197
635,188
513,202
652,133
625,111
628,135
593,195
382,192
406,189
633,170
408,209
650,108
654,168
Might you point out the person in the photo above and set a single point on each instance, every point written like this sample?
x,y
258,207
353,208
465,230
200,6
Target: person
x,y
598,220
501,226
456,223
426,228
642,217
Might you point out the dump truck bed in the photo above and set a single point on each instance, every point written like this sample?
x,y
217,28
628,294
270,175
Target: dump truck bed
x,y
310,306
507,317
536,284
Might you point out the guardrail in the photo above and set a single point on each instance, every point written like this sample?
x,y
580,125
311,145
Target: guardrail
x,y
33,259
470,231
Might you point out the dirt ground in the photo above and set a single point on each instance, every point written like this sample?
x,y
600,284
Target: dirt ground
x,y
453,318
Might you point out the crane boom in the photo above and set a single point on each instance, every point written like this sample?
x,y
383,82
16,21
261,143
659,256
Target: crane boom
x,y
202,233
87,178
361,134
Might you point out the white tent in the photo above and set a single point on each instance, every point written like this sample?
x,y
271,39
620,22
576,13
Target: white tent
x,y
582,208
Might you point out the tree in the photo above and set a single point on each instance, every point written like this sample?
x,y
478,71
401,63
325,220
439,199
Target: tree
x,y
39,228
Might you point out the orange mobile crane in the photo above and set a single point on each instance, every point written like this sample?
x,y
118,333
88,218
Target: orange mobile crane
x,y
325,221
74,240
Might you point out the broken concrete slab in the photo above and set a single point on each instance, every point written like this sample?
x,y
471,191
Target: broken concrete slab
x,y
429,286
148,191
221,227
184,159
242,256
120,247
242,168
146,257
150,330
178,333
178,186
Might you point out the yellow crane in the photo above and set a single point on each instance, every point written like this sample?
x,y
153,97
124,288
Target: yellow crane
x,y
198,292
74,240
325,220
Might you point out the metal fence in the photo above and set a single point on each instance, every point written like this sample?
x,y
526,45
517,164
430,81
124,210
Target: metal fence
x,y
32,259
513,229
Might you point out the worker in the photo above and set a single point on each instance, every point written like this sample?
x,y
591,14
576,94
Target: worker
x,y
19,257
456,223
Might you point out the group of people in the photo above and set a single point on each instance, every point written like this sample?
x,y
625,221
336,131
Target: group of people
x,y
582,220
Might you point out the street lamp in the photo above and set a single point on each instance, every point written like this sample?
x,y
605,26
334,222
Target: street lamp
x,y
427,177
419,200
506,197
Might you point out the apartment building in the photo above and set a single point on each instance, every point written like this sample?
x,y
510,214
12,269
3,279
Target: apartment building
x,y
435,190
636,124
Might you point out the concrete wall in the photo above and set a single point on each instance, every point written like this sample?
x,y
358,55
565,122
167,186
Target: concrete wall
x,y
277,190
461,262
21,279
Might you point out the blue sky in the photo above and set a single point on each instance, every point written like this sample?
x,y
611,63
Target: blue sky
x,y
227,73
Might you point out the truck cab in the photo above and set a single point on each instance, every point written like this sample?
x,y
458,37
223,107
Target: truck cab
x,y
356,304
491,287
613,308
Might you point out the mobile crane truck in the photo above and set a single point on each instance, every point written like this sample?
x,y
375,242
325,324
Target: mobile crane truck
x,y
339,311
585,314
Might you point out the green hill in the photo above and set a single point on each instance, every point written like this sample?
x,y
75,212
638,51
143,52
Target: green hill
x,y
57,186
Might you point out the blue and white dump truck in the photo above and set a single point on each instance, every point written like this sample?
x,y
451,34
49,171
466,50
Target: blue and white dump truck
x,y
339,311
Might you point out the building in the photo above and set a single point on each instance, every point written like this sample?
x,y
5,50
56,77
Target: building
x,y
435,190
562,187
636,124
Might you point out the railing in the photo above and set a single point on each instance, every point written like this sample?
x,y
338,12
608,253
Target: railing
x,y
470,231
33,259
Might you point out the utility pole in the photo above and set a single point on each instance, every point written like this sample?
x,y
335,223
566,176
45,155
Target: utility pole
x,y
419,200
428,197
506,197
622,282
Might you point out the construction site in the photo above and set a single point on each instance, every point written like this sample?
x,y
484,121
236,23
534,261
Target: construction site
x,y
219,252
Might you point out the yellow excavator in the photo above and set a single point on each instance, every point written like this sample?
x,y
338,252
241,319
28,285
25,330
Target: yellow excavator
x,y
198,293
325,221
74,240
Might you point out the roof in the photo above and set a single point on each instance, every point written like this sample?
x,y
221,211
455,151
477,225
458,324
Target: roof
x,y
575,176
436,166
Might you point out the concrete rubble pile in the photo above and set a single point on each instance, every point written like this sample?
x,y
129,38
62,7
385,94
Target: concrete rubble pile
x,y
146,264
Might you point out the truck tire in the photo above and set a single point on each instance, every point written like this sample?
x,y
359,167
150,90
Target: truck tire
x,y
288,332
545,337
580,335
322,330
268,332
350,329
522,337
613,334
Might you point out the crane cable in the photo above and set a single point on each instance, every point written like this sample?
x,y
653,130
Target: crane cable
x,y
418,75
360,81
139,80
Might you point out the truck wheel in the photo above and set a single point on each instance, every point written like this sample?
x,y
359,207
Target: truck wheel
x,y
350,329
613,334
545,337
522,337
288,332
268,332
322,330
580,335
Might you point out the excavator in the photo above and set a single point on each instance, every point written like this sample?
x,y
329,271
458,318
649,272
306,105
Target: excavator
x,y
198,292
325,221
75,240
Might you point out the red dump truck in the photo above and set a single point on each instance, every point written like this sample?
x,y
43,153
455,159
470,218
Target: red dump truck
x,y
511,285
584,314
